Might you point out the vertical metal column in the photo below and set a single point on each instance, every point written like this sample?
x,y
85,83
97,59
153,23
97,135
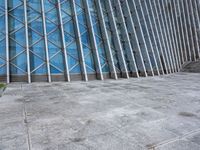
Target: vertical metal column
x,y
154,39
78,35
177,30
63,42
138,18
186,30
198,21
117,41
150,42
134,34
195,29
27,42
106,41
45,40
171,32
7,43
190,28
165,42
174,34
168,38
127,39
182,41
93,41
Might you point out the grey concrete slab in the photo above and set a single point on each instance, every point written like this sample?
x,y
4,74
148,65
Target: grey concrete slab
x,y
139,113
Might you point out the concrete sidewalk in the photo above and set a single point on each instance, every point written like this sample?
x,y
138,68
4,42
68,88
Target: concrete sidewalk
x,y
161,113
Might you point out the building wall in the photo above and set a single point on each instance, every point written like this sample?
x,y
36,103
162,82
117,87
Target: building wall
x,y
66,40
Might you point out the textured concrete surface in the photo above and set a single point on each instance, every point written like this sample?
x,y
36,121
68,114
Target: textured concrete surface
x,y
158,113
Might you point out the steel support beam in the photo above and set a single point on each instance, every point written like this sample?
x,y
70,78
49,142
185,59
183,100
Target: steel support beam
x,y
117,42
134,39
163,34
80,47
126,39
196,42
133,5
106,41
154,38
27,42
45,41
7,43
64,48
190,28
93,41
174,34
148,35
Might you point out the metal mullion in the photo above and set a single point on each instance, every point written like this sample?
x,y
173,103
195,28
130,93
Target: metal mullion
x,y
7,43
38,67
33,19
36,42
148,35
154,39
16,19
174,35
63,43
93,40
186,30
15,7
53,43
190,29
195,29
16,30
55,54
142,34
46,41
27,42
78,35
166,46
118,46
37,55
182,33
17,67
57,68
177,29
24,47
198,18
17,54
127,40
52,31
171,35
33,9
167,35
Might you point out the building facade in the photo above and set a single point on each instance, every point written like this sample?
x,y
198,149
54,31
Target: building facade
x,y
65,40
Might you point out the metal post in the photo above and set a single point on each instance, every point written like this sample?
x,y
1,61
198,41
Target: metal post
x,y
78,35
142,34
163,33
7,43
154,39
106,41
46,42
117,41
134,34
148,35
127,40
63,43
93,41
27,42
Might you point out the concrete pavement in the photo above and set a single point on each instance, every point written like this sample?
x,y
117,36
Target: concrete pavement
x,y
157,113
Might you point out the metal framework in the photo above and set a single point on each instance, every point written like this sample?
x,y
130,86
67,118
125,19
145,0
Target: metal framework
x,y
54,40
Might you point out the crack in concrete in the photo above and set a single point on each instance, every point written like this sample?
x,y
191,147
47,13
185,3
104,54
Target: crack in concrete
x,y
184,136
26,122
